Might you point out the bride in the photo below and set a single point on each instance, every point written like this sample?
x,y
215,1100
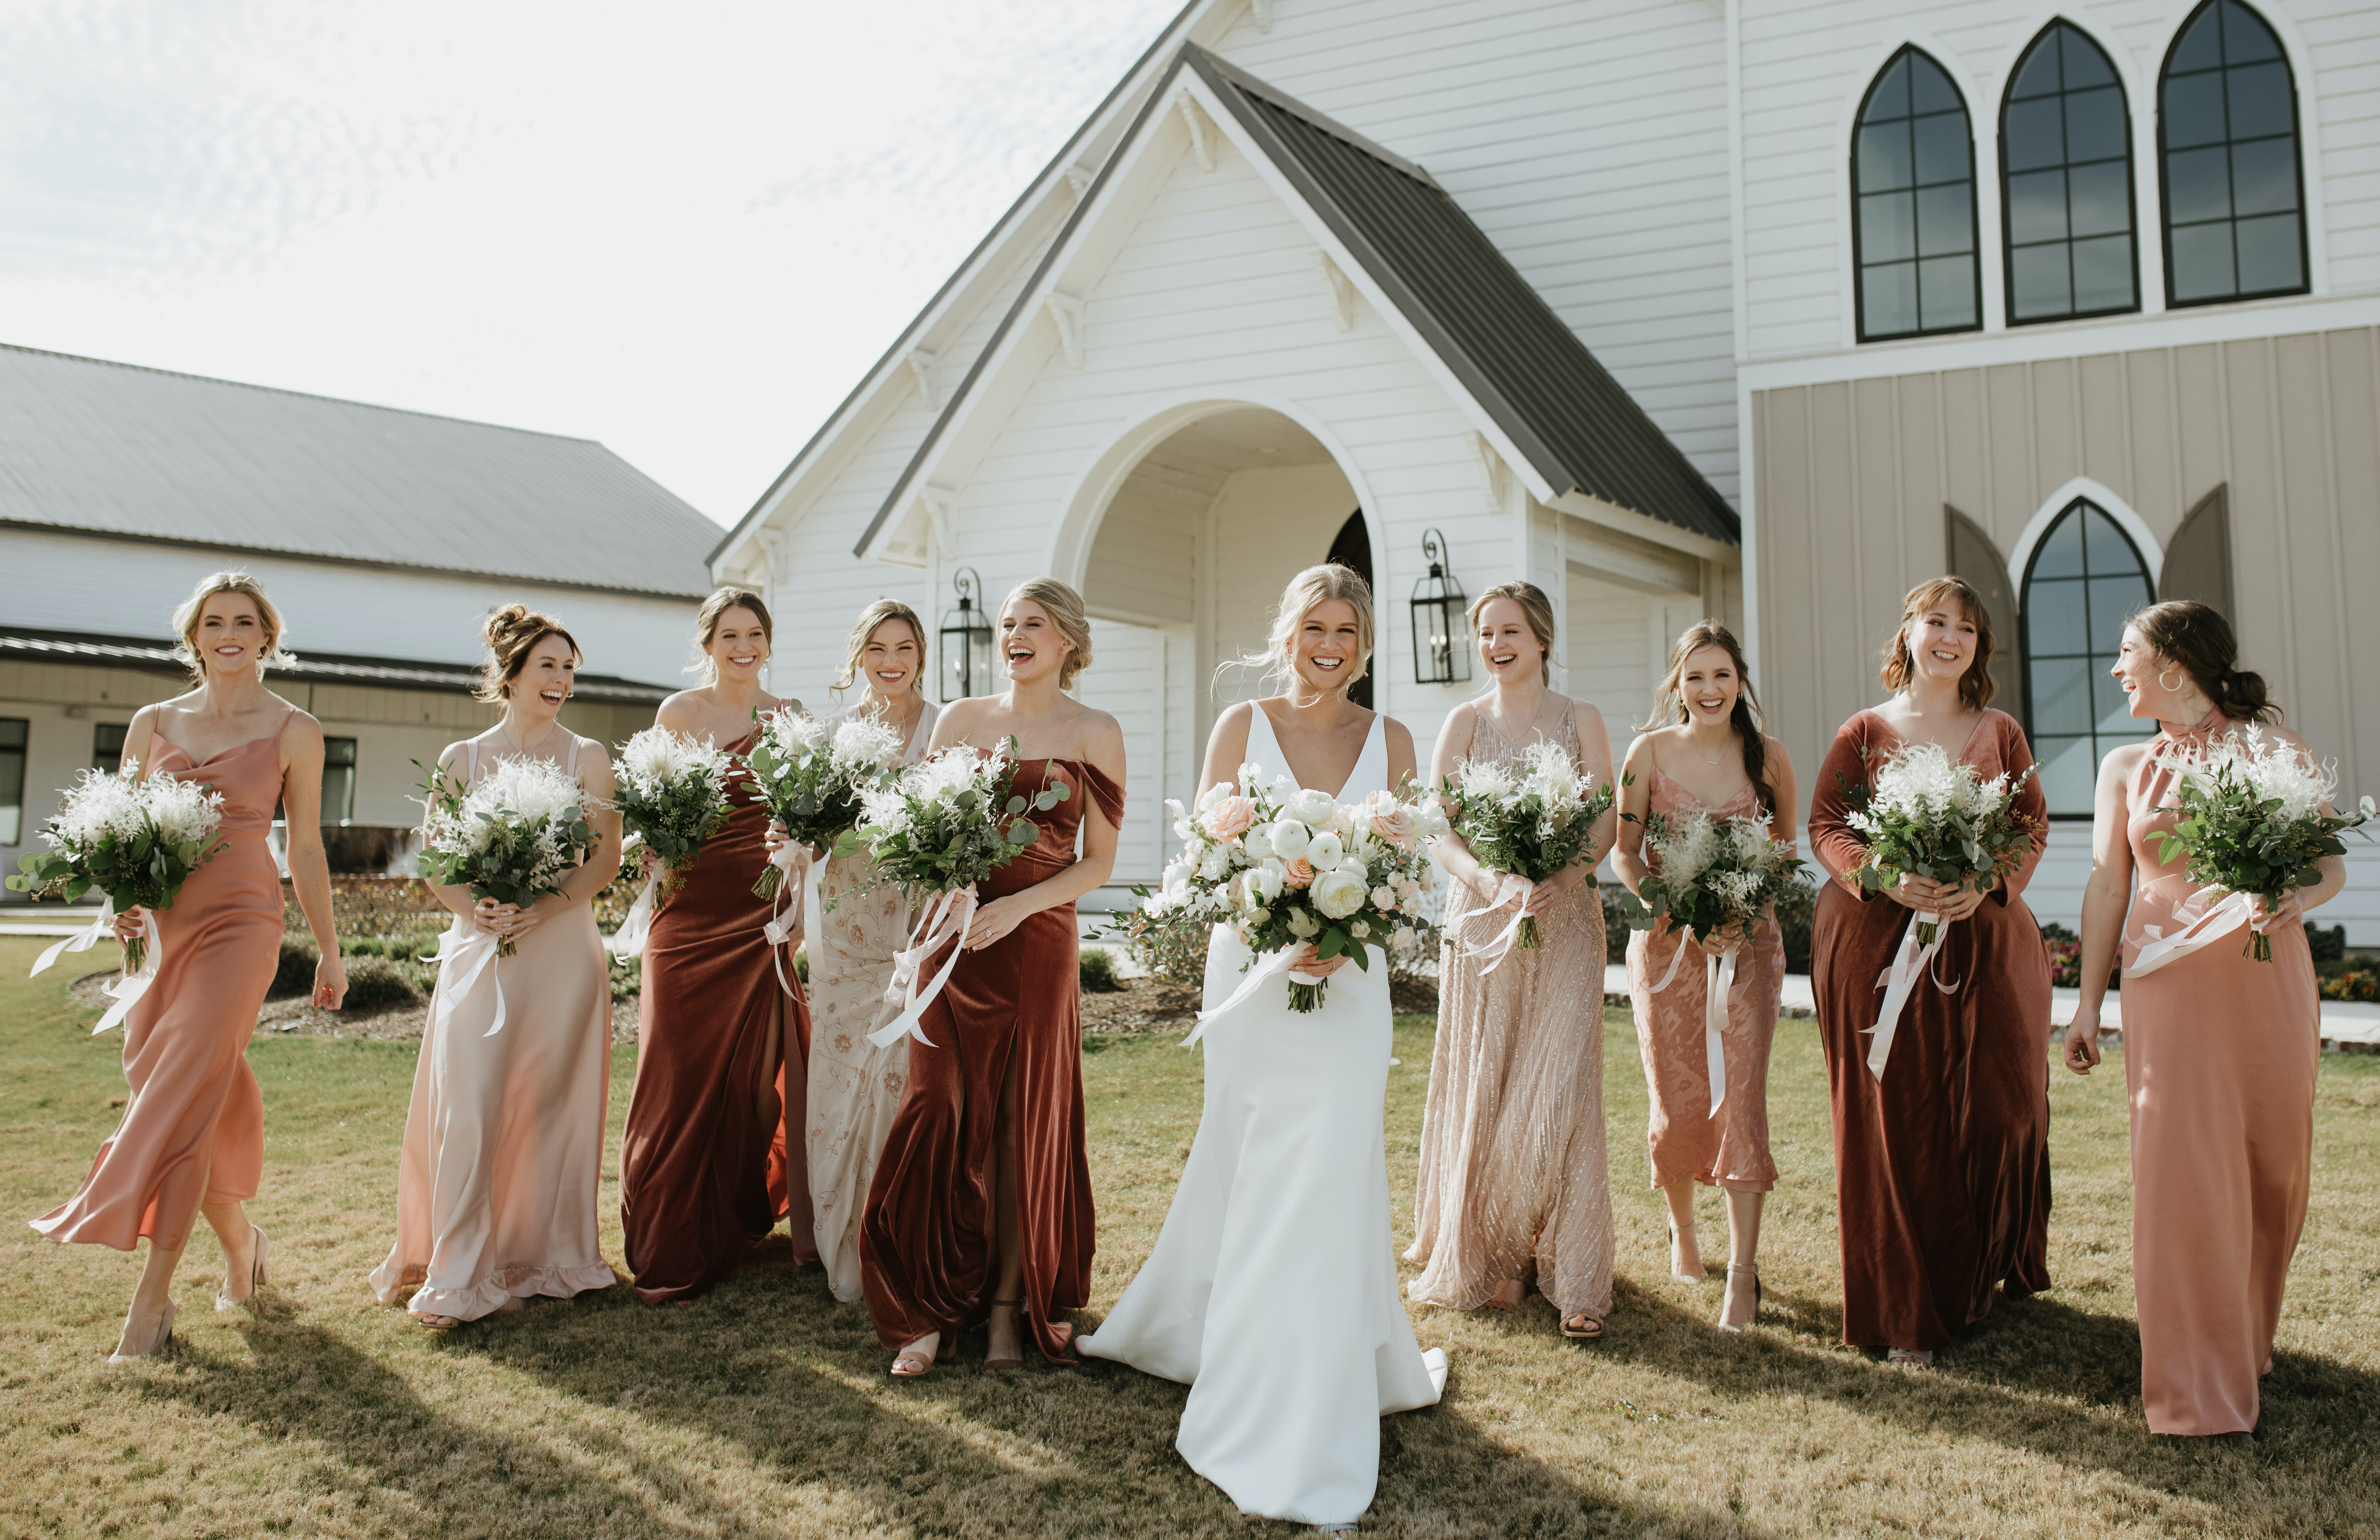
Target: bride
x,y
1283,1213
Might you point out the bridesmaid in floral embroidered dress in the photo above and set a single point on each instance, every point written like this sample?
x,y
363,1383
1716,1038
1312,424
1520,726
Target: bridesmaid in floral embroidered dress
x,y
718,1068
855,1086
192,1138
1709,755
2220,1050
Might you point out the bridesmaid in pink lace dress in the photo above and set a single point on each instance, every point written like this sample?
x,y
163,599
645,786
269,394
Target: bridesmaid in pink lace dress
x,y
2220,1050
1709,755
192,1138
1513,1178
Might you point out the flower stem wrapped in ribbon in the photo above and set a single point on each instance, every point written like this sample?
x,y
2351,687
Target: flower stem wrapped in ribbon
x,y
512,838
673,794
135,841
1531,821
2253,825
813,779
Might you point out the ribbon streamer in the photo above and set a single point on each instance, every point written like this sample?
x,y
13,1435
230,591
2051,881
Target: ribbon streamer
x,y
1718,984
1502,945
129,988
83,939
780,930
474,952
2228,914
945,920
1899,981
629,940
1275,963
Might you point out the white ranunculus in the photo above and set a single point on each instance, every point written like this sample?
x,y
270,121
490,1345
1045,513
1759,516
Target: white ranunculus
x,y
1266,879
1339,893
1215,863
1360,929
1314,809
1257,843
1289,838
1326,850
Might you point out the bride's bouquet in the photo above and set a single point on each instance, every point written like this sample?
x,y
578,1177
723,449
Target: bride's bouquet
x,y
672,793
2251,822
135,841
1934,818
511,838
1531,820
812,779
1290,866
1710,875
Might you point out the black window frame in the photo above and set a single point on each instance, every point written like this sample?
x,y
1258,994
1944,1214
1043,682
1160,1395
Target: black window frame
x,y
2297,166
103,760
1974,210
331,762
2132,185
12,801
2074,507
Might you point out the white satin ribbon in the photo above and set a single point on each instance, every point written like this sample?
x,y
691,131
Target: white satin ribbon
x,y
1899,981
629,940
1500,945
2228,914
127,989
1685,944
945,919
83,939
1718,983
473,952
1274,965
780,930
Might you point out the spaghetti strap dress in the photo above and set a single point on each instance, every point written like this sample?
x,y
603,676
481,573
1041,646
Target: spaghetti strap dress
x,y
926,1243
193,1127
718,1026
504,1141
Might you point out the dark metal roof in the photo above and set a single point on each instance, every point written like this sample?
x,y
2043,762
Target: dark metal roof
x,y
1564,412
152,656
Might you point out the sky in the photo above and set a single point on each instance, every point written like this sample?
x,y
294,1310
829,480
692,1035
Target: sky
x,y
685,230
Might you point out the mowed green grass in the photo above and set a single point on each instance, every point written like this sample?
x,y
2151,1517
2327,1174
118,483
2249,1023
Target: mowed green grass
x,y
765,1411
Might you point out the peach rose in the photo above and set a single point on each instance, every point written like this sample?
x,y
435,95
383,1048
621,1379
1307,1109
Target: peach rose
x,y
1393,822
1230,818
1301,873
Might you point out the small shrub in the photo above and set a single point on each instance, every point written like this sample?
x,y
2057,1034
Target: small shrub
x,y
1795,913
378,984
2362,983
627,976
1098,972
2328,946
295,973
1172,951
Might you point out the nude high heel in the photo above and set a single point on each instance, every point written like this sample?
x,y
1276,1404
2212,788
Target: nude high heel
x,y
165,1335
1732,1269
255,1278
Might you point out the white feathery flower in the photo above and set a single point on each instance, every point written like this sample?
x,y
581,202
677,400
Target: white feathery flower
x,y
186,812
863,743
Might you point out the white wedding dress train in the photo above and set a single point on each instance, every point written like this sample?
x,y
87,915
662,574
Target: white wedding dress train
x,y
1272,1289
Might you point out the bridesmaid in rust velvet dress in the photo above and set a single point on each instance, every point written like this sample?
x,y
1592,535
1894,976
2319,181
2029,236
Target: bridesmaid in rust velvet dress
x,y
192,1138
1941,1168
2220,1050
981,1210
719,1038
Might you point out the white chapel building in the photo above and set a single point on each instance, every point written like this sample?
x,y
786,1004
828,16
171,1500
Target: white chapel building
x,y
1677,308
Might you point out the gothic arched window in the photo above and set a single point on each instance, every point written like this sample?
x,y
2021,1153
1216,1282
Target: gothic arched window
x,y
2083,579
2228,143
1913,204
2066,182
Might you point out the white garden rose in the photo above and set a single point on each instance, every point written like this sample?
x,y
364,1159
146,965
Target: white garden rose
x,y
1266,879
1257,843
1289,838
1326,850
1215,863
1360,929
1312,809
1384,898
1339,893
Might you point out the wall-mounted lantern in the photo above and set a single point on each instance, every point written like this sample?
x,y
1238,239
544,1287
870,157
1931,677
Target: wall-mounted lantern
x,y
1440,656
966,640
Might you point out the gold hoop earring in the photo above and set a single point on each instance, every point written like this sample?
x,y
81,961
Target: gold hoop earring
x,y
2174,688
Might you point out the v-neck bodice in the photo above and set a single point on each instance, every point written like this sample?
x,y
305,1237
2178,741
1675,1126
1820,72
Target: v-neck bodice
x,y
1370,773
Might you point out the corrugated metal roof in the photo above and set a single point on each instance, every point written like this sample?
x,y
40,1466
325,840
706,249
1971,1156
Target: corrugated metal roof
x,y
115,449
153,656
1558,404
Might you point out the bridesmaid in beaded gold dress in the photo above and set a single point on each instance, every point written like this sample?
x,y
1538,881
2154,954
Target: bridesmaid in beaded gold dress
x,y
1514,1175
855,1086
1712,758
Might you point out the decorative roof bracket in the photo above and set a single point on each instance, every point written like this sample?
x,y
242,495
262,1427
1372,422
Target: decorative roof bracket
x,y
1202,133
1341,289
922,364
1066,313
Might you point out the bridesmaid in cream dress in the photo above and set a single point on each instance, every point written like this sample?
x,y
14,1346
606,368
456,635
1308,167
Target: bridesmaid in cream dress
x,y
503,1143
855,1086
1513,1176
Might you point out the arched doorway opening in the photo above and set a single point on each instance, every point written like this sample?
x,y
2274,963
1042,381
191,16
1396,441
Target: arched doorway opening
x,y
1353,549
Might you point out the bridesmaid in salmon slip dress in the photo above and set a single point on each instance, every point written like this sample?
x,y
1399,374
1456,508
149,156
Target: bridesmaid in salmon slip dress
x,y
1942,1167
192,1138
503,1142
1515,1175
2220,1050
981,1210
1709,755
719,1066
855,1086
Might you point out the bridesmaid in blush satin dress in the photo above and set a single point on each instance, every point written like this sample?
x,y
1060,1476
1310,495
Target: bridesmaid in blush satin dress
x,y
718,1061
2221,1051
981,1210
503,1142
192,1138
1711,758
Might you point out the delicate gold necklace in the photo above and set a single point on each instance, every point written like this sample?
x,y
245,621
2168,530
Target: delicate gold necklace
x,y
521,750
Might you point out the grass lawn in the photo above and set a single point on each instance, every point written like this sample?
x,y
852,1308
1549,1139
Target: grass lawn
x,y
765,1410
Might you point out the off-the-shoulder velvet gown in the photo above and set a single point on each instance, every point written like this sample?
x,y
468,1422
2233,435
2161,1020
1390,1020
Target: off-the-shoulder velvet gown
x,y
925,1251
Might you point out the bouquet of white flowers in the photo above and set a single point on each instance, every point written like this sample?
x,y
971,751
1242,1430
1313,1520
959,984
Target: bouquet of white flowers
x,y
135,841
672,794
813,779
941,827
511,838
2252,826
1531,823
1290,866
1937,818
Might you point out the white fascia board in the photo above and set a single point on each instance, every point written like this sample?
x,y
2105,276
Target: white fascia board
x,y
1653,532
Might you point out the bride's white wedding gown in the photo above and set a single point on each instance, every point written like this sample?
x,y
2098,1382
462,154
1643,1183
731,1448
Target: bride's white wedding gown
x,y
1272,1290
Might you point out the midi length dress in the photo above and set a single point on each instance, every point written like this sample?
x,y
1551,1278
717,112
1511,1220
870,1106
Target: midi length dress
x,y
2220,1058
1514,1170
1941,1170
926,1243
193,1127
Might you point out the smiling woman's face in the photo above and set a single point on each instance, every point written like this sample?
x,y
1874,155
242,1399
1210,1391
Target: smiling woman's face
x,y
1507,646
1943,642
891,659
1329,647
739,645
1709,684
1031,643
545,681
231,636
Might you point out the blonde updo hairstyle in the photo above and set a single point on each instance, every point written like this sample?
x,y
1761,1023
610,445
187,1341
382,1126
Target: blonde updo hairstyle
x,y
1064,608
706,626
1314,586
863,631
188,614
511,633
1535,609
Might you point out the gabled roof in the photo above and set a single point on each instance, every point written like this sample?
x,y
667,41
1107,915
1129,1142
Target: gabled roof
x,y
152,655
115,450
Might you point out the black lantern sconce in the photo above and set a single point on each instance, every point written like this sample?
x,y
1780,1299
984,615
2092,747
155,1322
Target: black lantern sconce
x,y
966,640
1440,656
